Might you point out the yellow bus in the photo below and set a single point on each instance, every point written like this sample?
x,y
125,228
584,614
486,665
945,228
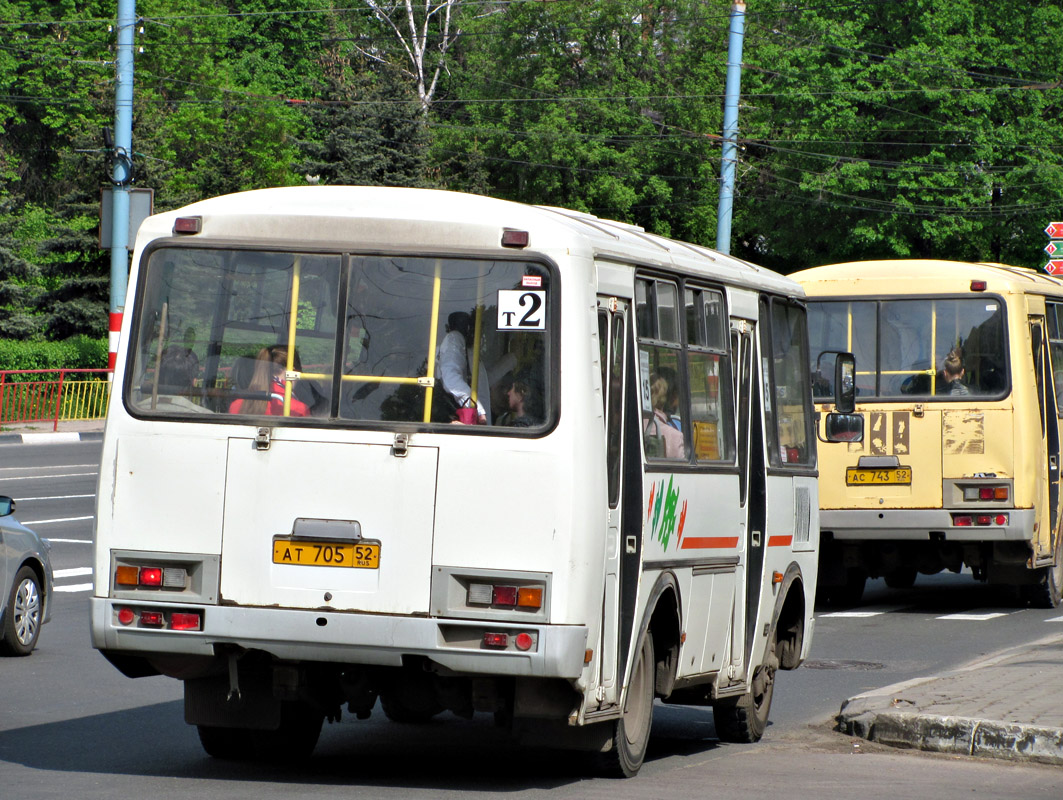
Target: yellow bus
x,y
958,366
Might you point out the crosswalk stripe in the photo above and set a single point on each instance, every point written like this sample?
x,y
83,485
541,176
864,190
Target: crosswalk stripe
x,y
77,587
862,613
73,572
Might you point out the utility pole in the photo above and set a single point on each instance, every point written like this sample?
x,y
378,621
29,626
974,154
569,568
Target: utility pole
x,y
730,126
121,175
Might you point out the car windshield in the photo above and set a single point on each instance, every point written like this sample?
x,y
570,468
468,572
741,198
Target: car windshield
x,y
342,339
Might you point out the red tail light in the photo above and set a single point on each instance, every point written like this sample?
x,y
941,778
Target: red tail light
x,y
496,639
180,621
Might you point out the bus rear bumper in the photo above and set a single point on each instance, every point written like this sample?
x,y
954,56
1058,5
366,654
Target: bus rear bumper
x,y
918,525
557,651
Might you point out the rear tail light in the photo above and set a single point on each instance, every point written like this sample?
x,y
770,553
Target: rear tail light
x,y
979,520
182,621
496,639
156,618
504,596
986,494
152,577
528,598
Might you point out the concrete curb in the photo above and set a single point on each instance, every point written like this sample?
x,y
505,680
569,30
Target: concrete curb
x,y
57,437
893,715
956,735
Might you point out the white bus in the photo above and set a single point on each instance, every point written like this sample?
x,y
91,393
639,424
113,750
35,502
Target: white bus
x,y
453,453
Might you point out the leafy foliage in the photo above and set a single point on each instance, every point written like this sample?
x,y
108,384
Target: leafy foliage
x,y
866,129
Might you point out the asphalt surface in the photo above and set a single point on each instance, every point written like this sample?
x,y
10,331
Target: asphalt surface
x,y
1009,705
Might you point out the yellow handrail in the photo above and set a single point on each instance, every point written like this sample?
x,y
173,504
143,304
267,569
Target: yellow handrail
x,y
293,320
436,287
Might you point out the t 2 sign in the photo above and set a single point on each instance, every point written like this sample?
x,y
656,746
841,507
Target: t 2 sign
x,y
521,310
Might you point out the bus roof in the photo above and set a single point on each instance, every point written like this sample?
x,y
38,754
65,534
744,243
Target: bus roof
x,y
896,277
370,217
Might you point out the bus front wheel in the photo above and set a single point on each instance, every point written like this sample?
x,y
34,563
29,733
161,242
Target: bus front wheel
x,y
631,736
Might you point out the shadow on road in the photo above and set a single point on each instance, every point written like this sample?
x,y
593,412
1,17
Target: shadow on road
x,y
447,753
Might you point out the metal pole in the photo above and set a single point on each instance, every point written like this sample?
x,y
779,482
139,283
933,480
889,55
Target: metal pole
x,y
730,127
122,175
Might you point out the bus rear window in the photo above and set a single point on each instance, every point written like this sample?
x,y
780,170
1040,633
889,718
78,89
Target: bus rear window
x,y
342,339
943,348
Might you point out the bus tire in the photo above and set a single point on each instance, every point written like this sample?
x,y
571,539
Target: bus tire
x,y
845,594
742,720
900,578
294,740
631,733
1048,591
226,744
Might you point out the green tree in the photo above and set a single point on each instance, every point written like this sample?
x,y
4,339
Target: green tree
x,y
914,129
610,107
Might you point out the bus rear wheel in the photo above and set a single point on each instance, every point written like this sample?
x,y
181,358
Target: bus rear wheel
x,y
742,720
631,736
294,740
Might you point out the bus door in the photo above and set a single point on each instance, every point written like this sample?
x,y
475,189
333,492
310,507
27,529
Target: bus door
x,y
1048,491
750,445
612,338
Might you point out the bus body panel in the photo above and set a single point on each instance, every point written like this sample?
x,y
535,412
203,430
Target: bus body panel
x,y
267,490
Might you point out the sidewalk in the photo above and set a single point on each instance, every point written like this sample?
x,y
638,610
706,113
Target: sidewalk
x,y
44,433
1006,706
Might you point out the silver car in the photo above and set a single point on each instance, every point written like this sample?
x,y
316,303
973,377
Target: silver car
x,y
25,583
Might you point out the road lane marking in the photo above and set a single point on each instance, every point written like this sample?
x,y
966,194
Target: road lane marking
x,y
77,587
1055,619
870,611
74,571
52,466
70,541
977,617
30,523
22,500
48,477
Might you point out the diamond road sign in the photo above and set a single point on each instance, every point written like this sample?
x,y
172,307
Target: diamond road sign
x,y
1054,246
1054,230
1054,267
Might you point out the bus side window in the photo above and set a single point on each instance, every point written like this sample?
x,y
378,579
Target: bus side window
x,y
664,410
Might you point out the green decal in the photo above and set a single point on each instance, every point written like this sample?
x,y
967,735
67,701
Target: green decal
x,y
669,501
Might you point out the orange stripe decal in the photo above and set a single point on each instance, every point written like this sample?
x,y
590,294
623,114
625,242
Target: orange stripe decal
x,y
709,542
780,541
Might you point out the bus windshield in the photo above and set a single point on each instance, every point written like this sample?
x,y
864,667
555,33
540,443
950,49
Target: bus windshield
x,y
943,348
331,338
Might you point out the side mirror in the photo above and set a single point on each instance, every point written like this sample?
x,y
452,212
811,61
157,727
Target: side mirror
x,y
844,427
7,506
845,383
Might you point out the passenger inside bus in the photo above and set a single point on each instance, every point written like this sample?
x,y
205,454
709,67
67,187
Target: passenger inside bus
x,y
663,436
267,386
177,373
952,373
455,358
524,401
